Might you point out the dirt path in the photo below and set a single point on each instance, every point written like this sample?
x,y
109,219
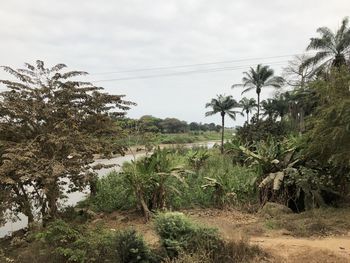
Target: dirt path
x,y
284,248
235,225
292,250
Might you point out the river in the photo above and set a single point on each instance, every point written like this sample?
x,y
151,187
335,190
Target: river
x,y
74,198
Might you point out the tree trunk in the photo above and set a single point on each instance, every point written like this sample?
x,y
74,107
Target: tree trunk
x,y
24,203
145,211
93,185
52,196
222,131
258,105
247,117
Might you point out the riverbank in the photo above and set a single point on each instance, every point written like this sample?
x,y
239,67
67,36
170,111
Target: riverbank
x,y
117,161
175,138
280,244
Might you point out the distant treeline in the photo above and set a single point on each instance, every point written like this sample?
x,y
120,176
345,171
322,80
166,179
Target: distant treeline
x,y
148,123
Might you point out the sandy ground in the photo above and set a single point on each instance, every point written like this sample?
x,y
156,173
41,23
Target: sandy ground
x,y
283,247
236,225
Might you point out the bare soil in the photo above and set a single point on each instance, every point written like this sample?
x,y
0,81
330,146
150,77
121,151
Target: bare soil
x,y
282,244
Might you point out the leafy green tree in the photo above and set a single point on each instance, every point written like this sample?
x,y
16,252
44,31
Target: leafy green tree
x,y
51,126
150,124
333,47
276,107
173,125
259,78
194,126
329,126
247,106
223,105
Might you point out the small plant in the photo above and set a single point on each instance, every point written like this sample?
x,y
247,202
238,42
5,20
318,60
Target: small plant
x,y
179,234
67,243
113,193
197,158
185,240
131,248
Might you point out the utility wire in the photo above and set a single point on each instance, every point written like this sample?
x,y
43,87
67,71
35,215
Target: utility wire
x,y
199,71
191,65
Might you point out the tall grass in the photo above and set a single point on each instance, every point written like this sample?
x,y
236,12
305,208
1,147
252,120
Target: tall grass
x,y
217,182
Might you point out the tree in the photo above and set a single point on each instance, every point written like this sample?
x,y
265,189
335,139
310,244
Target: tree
x,y
194,126
269,108
329,126
247,106
51,128
173,125
277,106
259,78
223,105
332,47
297,75
149,123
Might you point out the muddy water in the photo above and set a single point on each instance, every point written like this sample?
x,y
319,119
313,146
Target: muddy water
x,y
74,198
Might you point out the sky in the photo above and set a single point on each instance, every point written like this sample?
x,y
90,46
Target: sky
x,y
161,42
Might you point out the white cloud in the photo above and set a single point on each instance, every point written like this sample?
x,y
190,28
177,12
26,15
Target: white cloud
x,y
99,36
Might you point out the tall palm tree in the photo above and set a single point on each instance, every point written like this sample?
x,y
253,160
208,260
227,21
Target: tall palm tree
x,y
224,105
247,106
259,78
332,47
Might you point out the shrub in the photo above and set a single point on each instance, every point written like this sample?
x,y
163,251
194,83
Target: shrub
x,y
131,248
113,193
179,234
236,251
190,258
72,244
261,130
186,241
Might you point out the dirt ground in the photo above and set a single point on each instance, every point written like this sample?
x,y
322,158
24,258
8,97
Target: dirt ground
x,y
281,244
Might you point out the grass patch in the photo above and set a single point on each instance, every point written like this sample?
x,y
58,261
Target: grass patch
x,y
316,222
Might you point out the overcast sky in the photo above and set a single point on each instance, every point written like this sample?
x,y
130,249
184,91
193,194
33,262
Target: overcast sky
x,y
118,35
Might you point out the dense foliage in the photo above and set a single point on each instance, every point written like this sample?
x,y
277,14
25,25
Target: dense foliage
x,y
51,127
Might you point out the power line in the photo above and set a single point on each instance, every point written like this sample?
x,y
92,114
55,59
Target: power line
x,y
199,71
191,65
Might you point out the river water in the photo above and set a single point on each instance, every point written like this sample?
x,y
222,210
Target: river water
x,y
74,198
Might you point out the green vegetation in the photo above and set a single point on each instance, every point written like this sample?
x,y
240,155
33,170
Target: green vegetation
x,y
153,139
177,178
224,105
178,235
289,163
51,128
259,78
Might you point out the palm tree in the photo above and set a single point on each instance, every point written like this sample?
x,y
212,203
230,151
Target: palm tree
x,y
276,107
269,108
259,78
247,106
332,47
223,105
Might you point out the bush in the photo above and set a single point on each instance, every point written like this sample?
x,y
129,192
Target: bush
x,y
113,193
72,244
179,234
177,178
131,248
186,241
190,258
261,130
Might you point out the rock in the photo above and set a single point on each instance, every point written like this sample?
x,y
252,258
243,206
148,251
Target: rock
x,y
271,210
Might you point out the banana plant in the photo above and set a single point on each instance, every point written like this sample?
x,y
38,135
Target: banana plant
x,y
150,180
